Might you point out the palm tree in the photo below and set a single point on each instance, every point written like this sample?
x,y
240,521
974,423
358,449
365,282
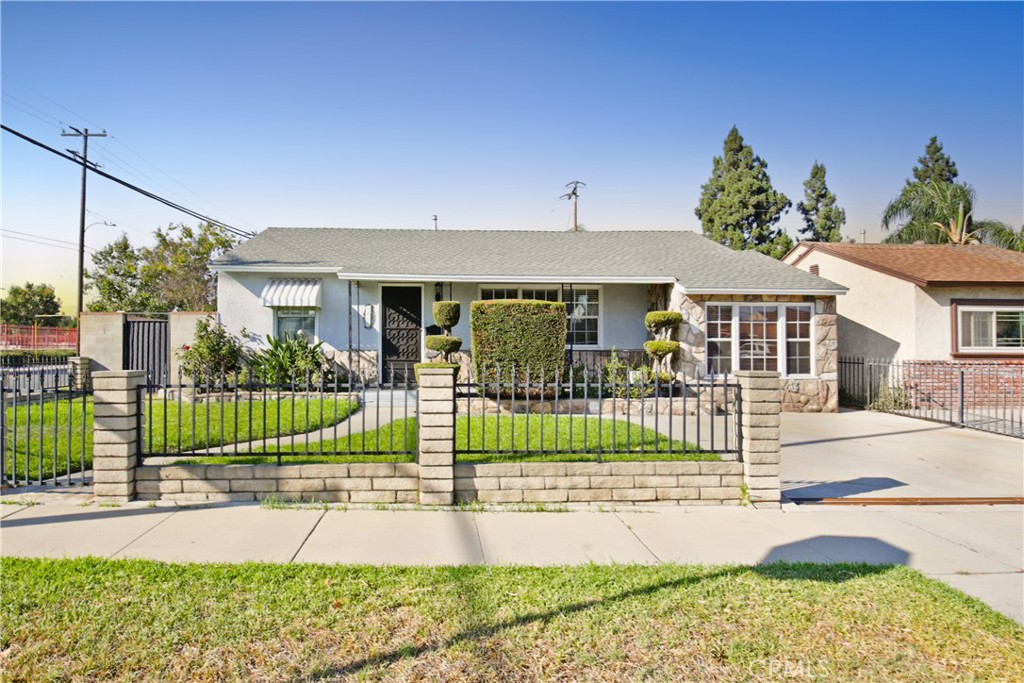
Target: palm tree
x,y
940,213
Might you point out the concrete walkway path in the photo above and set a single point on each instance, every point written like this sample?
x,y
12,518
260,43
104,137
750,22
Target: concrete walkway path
x,y
979,550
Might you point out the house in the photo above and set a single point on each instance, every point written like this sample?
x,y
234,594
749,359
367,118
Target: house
x,y
367,295
924,302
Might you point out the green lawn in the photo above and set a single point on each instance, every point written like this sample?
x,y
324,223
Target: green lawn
x,y
103,620
619,441
200,427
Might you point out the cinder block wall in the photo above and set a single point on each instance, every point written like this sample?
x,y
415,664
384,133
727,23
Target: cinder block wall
x,y
101,336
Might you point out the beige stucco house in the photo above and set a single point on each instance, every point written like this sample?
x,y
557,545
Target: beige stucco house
x,y
923,302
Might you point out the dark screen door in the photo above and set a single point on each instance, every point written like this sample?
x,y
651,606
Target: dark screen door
x,y
402,324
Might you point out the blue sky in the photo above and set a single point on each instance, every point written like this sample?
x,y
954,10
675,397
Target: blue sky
x,y
381,115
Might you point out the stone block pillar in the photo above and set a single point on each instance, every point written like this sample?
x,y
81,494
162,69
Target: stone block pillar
x,y
760,409
80,369
116,434
101,339
436,414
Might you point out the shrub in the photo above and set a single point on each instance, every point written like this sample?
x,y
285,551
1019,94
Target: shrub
x,y
292,360
453,366
527,335
660,348
622,380
213,352
658,322
443,345
447,314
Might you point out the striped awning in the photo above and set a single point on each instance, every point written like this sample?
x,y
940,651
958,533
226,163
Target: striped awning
x,y
292,293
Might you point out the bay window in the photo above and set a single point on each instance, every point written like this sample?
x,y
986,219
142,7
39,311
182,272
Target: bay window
x,y
772,337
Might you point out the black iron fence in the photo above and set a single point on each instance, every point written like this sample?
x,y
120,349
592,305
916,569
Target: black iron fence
x,y
987,396
626,414
248,417
45,428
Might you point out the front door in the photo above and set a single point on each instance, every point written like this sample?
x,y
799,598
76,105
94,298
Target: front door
x,y
401,327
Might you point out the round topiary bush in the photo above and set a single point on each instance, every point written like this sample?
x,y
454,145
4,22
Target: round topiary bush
x,y
661,321
661,347
443,344
447,314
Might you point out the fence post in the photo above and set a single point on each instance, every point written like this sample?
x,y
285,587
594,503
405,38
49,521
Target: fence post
x,y
760,409
960,403
80,369
436,453
115,435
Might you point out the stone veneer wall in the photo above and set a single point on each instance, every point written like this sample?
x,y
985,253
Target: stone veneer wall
x,y
333,483
684,483
812,395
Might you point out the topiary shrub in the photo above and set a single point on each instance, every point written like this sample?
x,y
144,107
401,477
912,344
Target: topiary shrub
x,y
661,350
660,322
526,335
447,314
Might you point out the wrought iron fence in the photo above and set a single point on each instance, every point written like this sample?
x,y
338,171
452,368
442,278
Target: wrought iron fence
x,y
978,395
247,417
45,428
626,414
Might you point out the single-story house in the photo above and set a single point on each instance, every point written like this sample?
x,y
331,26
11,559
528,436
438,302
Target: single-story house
x,y
924,302
367,295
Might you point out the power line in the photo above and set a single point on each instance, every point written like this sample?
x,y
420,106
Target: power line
x,y
45,244
41,237
238,232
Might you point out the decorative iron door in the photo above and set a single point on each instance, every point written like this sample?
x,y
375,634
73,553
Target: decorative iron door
x,y
147,347
401,325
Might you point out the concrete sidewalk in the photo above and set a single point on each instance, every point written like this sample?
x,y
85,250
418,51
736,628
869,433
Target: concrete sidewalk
x,y
979,550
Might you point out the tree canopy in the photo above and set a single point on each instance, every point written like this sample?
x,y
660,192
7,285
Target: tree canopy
x,y
24,302
823,220
934,166
172,275
941,213
738,205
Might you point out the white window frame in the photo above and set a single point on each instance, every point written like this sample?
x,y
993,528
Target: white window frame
x,y
780,335
984,350
522,286
316,321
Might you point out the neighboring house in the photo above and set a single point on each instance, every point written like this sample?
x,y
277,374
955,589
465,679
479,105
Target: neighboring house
x,y
367,295
924,302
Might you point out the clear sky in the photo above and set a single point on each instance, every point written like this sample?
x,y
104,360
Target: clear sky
x,y
381,115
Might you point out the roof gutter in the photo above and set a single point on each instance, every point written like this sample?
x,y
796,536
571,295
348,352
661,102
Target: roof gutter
x,y
509,279
768,290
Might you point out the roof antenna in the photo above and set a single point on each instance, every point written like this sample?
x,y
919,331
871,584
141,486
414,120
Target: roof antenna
x,y
435,221
863,236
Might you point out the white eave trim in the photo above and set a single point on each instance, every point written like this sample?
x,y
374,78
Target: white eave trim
x,y
507,279
228,268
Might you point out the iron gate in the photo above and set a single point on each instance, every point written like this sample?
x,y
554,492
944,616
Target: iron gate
x,y
147,347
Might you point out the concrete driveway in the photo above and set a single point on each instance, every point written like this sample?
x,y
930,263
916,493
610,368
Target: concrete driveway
x,y
863,454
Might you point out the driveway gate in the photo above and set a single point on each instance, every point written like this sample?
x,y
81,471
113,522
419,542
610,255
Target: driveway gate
x,y
147,347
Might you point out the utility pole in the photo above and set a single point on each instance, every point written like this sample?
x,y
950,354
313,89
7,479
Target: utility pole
x,y
84,157
435,221
574,195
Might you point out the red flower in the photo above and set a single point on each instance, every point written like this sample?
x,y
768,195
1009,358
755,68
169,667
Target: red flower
x,y
186,347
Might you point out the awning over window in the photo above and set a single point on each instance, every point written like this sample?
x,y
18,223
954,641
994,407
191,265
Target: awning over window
x,y
292,293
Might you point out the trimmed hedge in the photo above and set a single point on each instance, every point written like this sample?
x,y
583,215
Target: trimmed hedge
x,y
443,344
447,315
521,334
656,321
661,348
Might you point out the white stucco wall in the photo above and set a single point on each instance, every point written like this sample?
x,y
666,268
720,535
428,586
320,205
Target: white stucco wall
x,y
933,325
622,310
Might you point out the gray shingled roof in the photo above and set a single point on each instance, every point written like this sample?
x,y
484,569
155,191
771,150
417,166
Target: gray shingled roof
x,y
696,262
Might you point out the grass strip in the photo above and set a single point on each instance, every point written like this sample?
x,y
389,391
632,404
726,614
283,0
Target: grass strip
x,y
92,619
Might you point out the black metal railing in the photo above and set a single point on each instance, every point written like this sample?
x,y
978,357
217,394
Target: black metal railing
x,y
627,414
249,417
979,395
45,428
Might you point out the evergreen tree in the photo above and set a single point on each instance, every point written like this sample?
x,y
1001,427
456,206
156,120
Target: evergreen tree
x,y
934,166
822,218
738,205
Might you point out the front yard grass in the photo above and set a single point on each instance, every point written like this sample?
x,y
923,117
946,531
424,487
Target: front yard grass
x,y
490,439
168,427
92,619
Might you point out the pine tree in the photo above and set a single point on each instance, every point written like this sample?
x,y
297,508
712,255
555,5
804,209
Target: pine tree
x,y
738,205
934,166
822,218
